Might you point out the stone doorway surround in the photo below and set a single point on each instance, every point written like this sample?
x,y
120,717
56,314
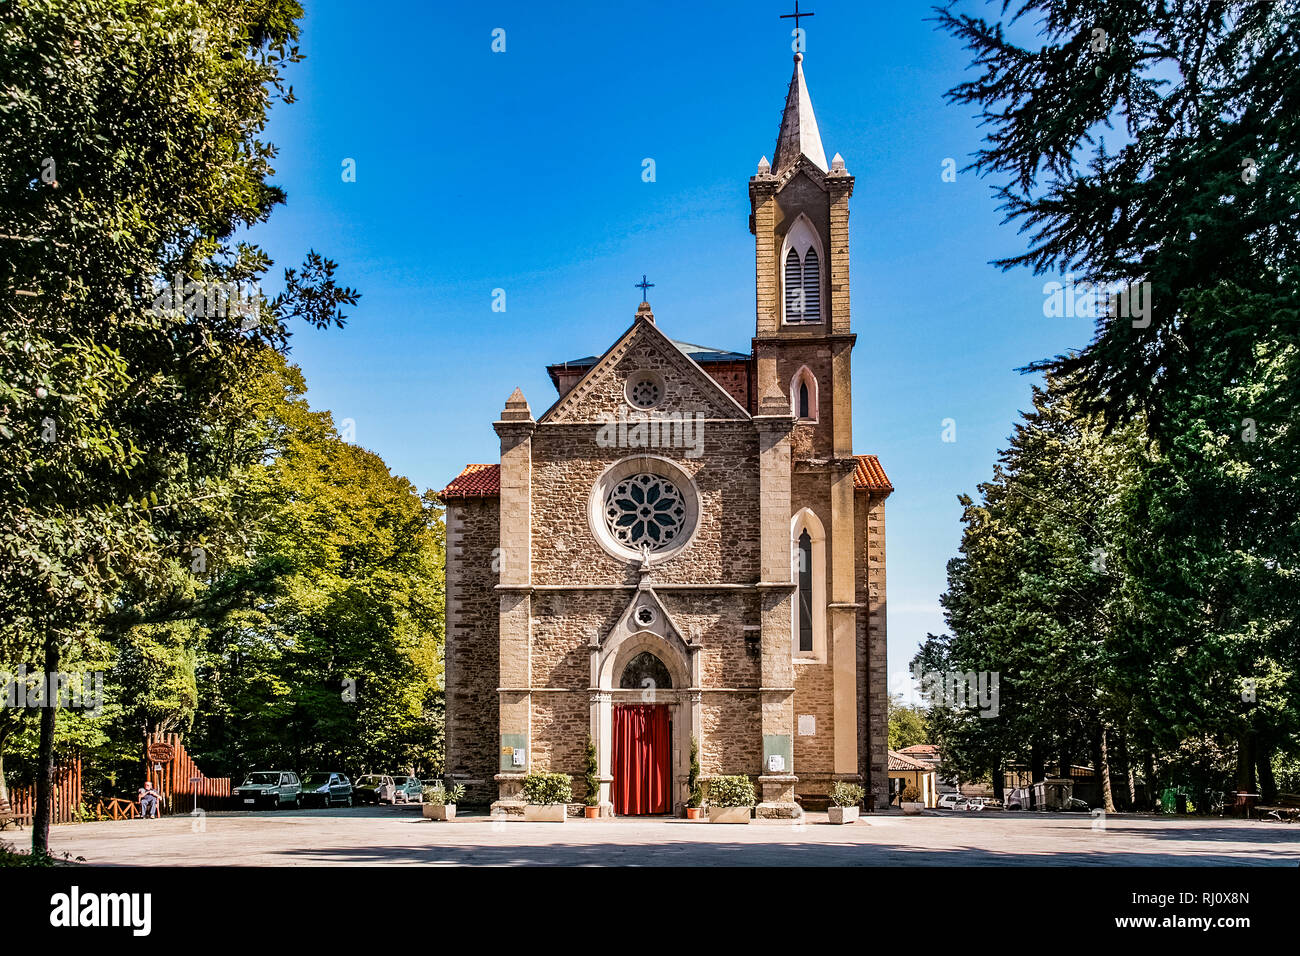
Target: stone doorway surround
x,y
645,625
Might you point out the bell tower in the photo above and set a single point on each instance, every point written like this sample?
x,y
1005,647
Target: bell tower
x,y
802,348
800,221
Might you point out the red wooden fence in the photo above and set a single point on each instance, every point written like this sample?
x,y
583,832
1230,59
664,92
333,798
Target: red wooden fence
x,y
176,779
67,794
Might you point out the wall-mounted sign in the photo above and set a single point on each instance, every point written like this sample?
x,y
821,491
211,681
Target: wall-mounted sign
x,y
161,753
807,725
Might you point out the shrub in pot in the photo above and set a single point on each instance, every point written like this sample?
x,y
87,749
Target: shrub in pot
x,y
911,801
695,792
440,801
592,809
548,796
845,798
730,799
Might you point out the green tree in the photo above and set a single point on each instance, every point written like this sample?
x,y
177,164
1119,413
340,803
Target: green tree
x,y
130,157
907,724
338,662
1194,198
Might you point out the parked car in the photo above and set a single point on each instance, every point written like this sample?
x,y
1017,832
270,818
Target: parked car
x,y
1077,806
326,790
374,788
273,788
408,790
951,801
975,803
1017,798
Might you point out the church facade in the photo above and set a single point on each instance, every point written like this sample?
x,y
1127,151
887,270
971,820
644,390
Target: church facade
x,y
684,546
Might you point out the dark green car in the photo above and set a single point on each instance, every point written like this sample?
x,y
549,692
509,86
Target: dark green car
x,y
322,789
269,788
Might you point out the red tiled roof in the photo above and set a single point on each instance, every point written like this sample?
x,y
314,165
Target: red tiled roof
x,y
898,761
869,476
921,749
484,481
476,481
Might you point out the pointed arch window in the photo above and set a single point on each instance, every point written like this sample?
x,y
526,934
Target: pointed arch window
x,y
803,283
803,395
808,572
805,593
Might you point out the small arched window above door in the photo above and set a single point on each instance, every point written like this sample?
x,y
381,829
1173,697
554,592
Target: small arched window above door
x,y
645,671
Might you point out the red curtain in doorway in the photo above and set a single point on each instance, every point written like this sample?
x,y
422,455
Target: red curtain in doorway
x,y
641,764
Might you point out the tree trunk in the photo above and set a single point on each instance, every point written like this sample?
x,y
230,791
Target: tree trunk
x,y
998,780
1267,785
1103,770
1037,772
45,752
1149,770
1246,762
1127,798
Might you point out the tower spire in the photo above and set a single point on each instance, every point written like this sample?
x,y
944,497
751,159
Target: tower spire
x,y
799,135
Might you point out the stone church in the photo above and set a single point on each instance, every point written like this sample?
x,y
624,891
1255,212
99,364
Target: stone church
x,y
684,546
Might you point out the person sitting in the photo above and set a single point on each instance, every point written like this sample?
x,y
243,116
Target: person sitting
x,y
148,797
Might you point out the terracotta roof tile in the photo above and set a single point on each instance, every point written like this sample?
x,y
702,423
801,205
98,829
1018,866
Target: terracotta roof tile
x,y
899,761
476,481
869,476
484,481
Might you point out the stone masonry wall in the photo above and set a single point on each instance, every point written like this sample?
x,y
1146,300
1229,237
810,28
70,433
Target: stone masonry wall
x,y
471,653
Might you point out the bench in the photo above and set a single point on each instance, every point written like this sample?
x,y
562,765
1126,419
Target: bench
x,y
1286,809
8,815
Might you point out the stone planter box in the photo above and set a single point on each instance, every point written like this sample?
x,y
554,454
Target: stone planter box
x,y
447,812
843,814
549,813
913,809
729,814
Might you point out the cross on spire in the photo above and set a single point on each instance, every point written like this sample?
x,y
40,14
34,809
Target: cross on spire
x,y
796,15
644,287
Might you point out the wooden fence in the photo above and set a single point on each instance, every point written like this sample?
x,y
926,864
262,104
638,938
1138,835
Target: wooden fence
x,y
67,794
180,781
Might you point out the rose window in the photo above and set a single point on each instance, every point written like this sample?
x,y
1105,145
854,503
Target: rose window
x,y
644,392
645,512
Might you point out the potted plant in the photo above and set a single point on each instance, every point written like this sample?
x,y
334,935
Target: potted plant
x,y
592,809
845,798
695,793
730,799
548,796
911,801
440,801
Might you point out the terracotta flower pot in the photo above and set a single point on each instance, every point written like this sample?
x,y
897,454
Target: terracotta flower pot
x,y
693,813
591,813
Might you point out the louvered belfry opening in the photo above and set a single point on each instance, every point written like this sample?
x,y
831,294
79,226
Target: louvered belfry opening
x,y
802,287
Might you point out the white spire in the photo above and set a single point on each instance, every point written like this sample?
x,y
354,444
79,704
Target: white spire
x,y
799,135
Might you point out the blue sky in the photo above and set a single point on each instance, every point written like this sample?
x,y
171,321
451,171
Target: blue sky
x,y
522,171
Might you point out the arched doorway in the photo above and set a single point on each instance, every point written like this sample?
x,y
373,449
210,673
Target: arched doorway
x,y
642,757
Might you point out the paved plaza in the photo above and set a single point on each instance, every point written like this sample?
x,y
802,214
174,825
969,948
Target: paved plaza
x,y
386,835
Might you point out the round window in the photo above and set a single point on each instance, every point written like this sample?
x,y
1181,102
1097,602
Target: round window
x,y
644,508
645,512
645,616
645,389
